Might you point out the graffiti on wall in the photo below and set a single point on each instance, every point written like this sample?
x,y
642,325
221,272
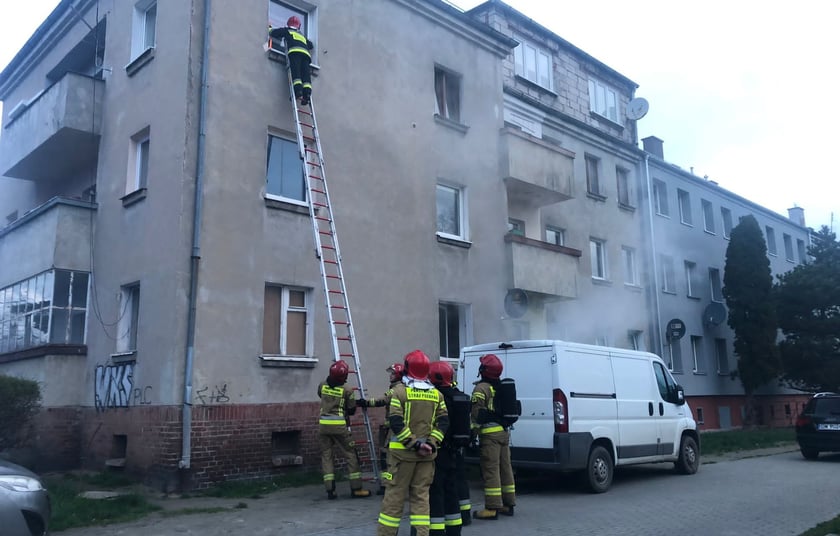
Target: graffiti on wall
x,y
216,395
113,387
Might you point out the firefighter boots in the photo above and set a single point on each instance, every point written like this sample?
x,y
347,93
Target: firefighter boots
x,y
358,493
486,514
506,511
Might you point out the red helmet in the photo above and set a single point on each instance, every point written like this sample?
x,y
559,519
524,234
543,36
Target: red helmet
x,y
293,22
491,367
417,365
397,371
441,374
338,373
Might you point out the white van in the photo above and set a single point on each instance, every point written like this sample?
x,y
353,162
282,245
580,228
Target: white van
x,y
591,408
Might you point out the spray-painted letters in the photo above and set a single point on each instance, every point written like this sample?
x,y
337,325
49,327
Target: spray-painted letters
x,y
113,387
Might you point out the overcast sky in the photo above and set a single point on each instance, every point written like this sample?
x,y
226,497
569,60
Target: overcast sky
x,y
741,90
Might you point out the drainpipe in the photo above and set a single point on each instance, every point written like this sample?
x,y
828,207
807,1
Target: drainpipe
x,y
657,328
195,256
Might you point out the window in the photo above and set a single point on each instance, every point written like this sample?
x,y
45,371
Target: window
x,y
726,216
788,246
50,307
451,221
603,101
675,357
602,340
129,319
598,253
771,240
516,227
708,216
284,171
634,337
697,353
668,277
714,282
622,179
453,328
555,235
286,326
533,63
279,13
800,248
138,161
685,207
721,356
700,419
448,95
631,272
691,287
143,27
593,181
660,198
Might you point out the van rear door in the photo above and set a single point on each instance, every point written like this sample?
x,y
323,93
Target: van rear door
x,y
534,374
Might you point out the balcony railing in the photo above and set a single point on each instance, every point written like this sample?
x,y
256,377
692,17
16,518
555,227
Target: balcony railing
x,y
542,267
56,132
535,172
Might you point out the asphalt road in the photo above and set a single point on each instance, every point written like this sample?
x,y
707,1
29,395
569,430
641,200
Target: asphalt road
x,y
780,494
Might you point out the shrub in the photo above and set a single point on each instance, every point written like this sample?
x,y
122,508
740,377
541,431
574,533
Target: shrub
x,y
20,400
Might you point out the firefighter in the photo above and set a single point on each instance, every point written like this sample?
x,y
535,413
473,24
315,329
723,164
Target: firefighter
x,y
418,422
298,55
337,404
443,496
396,370
494,442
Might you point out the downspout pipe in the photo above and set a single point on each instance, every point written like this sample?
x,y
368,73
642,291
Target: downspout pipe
x,y
195,255
657,328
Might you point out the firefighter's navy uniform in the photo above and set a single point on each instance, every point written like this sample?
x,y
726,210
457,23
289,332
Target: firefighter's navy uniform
x,y
444,504
418,415
337,403
299,57
494,442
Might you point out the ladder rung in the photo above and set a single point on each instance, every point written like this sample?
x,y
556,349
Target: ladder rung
x,y
335,292
306,124
308,150
321,218
334,263
333,277
316,177
317,191
337,307
344,338
322,205
309,138
327,233
328,247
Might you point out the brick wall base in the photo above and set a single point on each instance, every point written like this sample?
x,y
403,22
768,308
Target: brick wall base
x,y
774,410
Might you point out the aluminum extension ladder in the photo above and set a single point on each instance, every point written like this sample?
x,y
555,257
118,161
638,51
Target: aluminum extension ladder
x,y
329,254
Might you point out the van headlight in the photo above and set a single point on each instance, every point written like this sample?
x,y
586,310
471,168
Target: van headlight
x,y
20,483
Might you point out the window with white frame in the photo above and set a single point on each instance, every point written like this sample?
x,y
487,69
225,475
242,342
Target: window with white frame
x,y
555,235
660,198
668,277
708,216
287,330
697,353
722,356
279,13
453,328
622,179
516,227
593,180
685,207
138,161
447,94
603,100
771,240
714,283
726,216
691,286
602,340
598,256
675,356
631,272
284,171
788,246
451,209
800,248
129,319
634,337
533,63
143,27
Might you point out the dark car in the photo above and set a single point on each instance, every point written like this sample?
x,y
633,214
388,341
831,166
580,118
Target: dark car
x,y
24,503
818,427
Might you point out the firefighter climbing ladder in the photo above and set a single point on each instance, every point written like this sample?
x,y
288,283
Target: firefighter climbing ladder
x,y
329,254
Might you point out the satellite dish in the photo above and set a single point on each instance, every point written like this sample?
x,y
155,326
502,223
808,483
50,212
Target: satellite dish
x,y
637,108
714,314
516,303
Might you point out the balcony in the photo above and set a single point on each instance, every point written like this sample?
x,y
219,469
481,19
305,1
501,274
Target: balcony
x,y
56,234
56,133
541,267
536,173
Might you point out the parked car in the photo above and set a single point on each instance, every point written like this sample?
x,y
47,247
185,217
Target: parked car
x,y
24,503
818,427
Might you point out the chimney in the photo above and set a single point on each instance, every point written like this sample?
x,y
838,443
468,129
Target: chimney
x,y
653,145
797,215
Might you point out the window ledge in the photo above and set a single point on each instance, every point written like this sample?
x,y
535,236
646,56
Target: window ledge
x,y
140,61
44,350
687,224
534,85
133,197
661,215
596,197
282,361
690,297
628,208
602,282
124,357
454,125
275,54
605,120
289,206
698,373
453,241
710,232
633,287
671,292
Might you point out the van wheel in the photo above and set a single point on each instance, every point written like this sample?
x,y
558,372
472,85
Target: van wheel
x,y
599,470
809,454
689,460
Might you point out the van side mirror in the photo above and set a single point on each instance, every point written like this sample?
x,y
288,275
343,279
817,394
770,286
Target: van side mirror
x,y
679,395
